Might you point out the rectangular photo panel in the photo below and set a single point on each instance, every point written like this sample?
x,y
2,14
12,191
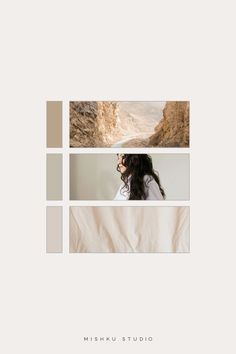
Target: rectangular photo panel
x,y
54,176
131,124
129,229
54,230
54,124
129,176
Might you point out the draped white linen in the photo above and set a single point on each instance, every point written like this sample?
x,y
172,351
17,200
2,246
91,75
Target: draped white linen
x,y
129,229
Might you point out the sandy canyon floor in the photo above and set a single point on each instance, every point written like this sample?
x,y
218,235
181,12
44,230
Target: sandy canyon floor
x,y
137,121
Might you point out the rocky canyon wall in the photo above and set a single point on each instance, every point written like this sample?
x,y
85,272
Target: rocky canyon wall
x,y
93,124
173,128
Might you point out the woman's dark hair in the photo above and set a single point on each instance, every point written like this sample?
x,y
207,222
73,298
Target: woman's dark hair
x,y
137,166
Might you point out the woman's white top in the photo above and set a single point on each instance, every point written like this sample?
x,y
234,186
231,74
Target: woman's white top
x,y
152,190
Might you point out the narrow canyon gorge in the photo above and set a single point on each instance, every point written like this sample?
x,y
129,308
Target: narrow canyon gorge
x,y
129,124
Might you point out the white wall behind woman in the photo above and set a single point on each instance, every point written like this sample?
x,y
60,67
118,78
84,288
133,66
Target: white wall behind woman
x,y
173,170
94,176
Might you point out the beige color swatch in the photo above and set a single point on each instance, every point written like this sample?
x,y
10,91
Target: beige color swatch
x,y
54,176
54,230
54,124
129,229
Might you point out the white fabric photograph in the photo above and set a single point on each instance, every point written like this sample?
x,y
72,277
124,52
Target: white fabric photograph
x,y
129,229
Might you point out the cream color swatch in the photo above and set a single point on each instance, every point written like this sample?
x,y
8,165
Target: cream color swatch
x,y
54,230
54,176
129,229
54,124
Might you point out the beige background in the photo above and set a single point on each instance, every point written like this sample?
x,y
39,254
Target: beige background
x,y
131,50
94,176
54,176
54,229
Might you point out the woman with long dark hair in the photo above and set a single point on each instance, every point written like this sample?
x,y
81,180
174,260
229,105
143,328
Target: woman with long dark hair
x,y
140,181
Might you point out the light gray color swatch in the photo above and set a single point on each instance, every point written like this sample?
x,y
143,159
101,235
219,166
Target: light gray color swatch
x,y
54,243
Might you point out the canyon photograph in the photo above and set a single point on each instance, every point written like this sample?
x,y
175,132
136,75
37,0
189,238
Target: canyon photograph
x,y
133,124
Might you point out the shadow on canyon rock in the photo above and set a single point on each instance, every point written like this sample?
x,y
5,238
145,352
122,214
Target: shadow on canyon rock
x,y
173,129
93,124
